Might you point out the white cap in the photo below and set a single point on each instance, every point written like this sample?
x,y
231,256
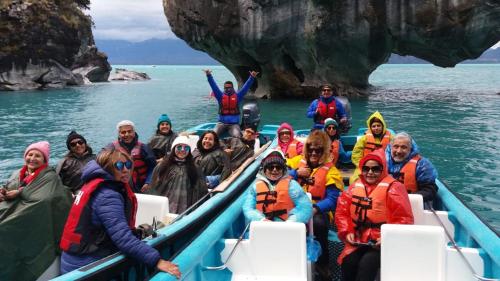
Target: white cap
x,y
125,123
185,139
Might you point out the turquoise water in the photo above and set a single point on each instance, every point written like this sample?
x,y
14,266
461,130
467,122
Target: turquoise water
x,y
452,113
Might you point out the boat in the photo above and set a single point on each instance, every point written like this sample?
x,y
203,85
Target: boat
x,y
448,242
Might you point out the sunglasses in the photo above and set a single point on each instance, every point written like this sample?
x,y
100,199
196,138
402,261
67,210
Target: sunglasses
x,y
120,165
73,144
273,167
285,133
250,132
329,128
182,147
374,169
318,150
327,90
228,88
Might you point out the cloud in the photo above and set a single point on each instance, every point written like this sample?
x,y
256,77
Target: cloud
x,y
129,20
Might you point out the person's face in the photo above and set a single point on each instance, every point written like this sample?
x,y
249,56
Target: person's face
x,y
182,151
34,159
371,171
164,127
376,128
208,141
78,146
314,153
273,172
122,169
228,88
400,149
127,133
326,92
331,130
285,135
249,134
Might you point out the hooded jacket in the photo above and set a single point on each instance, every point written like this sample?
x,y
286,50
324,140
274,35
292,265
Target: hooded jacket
x,y
70,169
108,212
161,144
284,146
398,208
425,173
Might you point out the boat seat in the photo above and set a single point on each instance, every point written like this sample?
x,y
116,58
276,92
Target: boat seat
x,y
425,217
52,271
150,206
268,254
413,253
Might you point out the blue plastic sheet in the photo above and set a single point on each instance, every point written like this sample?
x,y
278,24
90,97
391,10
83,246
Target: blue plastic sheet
x,y
313,249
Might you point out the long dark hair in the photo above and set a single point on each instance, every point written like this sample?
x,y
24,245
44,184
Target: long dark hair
x,y
216,142
166,165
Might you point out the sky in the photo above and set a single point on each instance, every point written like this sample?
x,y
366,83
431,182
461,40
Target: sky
x,y
133,20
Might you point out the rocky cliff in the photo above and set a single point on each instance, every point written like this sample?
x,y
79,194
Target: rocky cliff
x,y
48,44
299,44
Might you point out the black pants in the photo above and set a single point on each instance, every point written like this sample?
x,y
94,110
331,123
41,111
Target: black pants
x,y
361,265
320,224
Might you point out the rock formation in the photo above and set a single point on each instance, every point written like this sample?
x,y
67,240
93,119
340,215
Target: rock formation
x,y
299,44
48,44
127,75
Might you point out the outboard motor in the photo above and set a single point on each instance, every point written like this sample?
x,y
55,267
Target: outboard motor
x,y
250,114
344,128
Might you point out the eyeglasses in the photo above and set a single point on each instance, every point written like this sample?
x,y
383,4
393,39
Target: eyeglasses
x,y
317,150
329,128
74,143
182,147
326,90
273,167
285,133
120,165
374,169
228,88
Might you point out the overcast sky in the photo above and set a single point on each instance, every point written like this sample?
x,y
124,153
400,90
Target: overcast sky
x,y
131,20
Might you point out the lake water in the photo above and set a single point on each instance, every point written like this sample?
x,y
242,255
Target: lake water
x,y
452,113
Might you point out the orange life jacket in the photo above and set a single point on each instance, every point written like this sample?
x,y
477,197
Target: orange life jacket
x,y
407,174
334,151
318,188
140,172
371,143
291,150
369,210
229,104
326,110
275,203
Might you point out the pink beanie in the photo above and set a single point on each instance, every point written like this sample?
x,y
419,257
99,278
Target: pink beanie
x,y
42,146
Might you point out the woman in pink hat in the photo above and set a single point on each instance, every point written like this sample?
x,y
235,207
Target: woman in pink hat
x,y
34,205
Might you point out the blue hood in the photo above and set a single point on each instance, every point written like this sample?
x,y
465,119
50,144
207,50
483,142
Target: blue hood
x,y
394,167
92,170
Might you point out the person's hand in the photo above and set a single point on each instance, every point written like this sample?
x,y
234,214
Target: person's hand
x,y
207,71
350,238
253,73
145,187
304,172
3,191
169,267
379,242
343,120
11,194
228,151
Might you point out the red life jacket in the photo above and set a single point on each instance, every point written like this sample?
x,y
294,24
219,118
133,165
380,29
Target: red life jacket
x,y
275,203
318,188
372,145
229,104
79,235
140,172
326,110
335,151
408,174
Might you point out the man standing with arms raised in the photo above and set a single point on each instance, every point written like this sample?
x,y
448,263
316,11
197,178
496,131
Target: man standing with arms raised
x,y
229,104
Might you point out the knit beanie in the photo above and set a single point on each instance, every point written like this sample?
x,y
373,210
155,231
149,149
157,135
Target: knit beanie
x,y
125,123
274,157
42,146
74,135
331,121
185,139
163,118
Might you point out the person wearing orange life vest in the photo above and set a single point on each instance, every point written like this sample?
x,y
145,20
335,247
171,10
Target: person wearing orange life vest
x,y
374,199
318,176
287,143
326,106
275,196
337,151
144,158
407,166
229,103
102,218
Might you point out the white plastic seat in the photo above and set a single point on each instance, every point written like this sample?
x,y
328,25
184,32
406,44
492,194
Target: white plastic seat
x,y
150,206
425,217
274,251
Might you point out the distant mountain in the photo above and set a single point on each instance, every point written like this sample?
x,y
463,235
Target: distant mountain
x,y
176,51
154,51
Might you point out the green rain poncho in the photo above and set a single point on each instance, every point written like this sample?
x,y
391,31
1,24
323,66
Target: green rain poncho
x,y
31,225
215,162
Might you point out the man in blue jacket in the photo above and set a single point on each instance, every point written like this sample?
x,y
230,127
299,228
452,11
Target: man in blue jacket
x,y
229,104
326,106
